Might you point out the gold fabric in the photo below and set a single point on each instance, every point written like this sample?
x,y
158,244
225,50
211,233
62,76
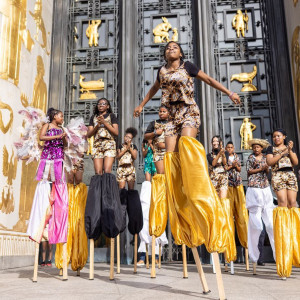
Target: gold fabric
x,y
230,251
282,239
158,214
295,216
182,220
203,202
240,212
77,247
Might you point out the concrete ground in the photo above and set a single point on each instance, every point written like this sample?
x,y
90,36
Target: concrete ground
x,y
168,284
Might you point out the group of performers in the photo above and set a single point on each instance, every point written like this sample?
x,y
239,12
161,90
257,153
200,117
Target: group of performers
x,y
202,201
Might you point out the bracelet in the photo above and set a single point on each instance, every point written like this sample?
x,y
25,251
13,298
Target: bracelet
x,y
230,95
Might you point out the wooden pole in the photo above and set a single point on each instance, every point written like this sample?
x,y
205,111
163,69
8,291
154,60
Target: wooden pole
x,y
65,262
213,264
225,262
112,258
153,272
231,268
91,259
118,254
135,253
247,259
60,272
147,257
36,262
254,268
200,271
159,257
78,272
185,273
219,276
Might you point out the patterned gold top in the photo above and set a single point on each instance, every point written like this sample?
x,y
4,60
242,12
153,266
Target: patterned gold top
x,y
126,158
283,164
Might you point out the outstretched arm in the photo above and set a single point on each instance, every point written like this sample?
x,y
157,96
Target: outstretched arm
x,y
217,85
153,90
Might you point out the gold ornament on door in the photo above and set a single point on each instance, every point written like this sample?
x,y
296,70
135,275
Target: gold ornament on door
x,y
240,23
92,32
246,132
246,77
161,32
88,86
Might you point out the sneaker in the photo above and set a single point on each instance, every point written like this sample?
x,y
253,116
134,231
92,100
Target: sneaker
x,y
49,263
43,264
260,263
140,263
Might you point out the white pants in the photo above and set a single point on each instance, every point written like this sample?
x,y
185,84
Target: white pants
x,y
259,202
144,233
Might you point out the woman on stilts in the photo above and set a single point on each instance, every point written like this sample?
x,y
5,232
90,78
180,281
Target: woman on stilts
x,y
185,164
286,217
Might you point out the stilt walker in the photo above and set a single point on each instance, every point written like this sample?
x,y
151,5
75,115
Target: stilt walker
x,y
50,204
192,199
259,199
103,208
237,198
217,160
282,158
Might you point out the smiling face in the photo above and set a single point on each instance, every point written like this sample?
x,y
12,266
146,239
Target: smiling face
x,y
215,143
172,52
163,113
59,118
102,105
278,138
257,149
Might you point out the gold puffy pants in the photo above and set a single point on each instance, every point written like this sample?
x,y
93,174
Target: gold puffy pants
x,y
295,216
158,213
77,249
230,251
196,213
239,212
283,240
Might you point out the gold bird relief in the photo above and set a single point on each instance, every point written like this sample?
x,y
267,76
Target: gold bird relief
x,y
246,77
9,170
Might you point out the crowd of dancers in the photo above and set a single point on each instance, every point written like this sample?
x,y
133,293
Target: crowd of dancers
x,y
202,196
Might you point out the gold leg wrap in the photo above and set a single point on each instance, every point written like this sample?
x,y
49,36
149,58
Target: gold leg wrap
x,y
295,215
182,220
203,201
282,239
240,212
59,247
230,251
158,213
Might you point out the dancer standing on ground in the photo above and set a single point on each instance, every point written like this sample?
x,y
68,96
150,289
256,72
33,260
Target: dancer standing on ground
x,y
149,167
189,212
282,158
259,199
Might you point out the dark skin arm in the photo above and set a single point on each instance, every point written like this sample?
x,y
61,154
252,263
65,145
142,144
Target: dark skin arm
x,y
234,165
145,151
224,160
113,129
255,171
44,137
132,151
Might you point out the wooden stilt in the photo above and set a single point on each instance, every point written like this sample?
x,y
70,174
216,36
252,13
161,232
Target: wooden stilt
x,y
65,262
231,268
247,259
219,276
153,271
159,257
78,272
60,272
112,258
36,262
185,273
118,255
91,277
200,271
147,257
135,253
213,264
254,268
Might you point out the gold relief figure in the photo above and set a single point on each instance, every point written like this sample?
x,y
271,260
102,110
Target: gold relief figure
x,y
240,23
244,77
296,68
9,170
92,32
161,32
295,2
5,128
87,86
175,35
246,132
40,25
